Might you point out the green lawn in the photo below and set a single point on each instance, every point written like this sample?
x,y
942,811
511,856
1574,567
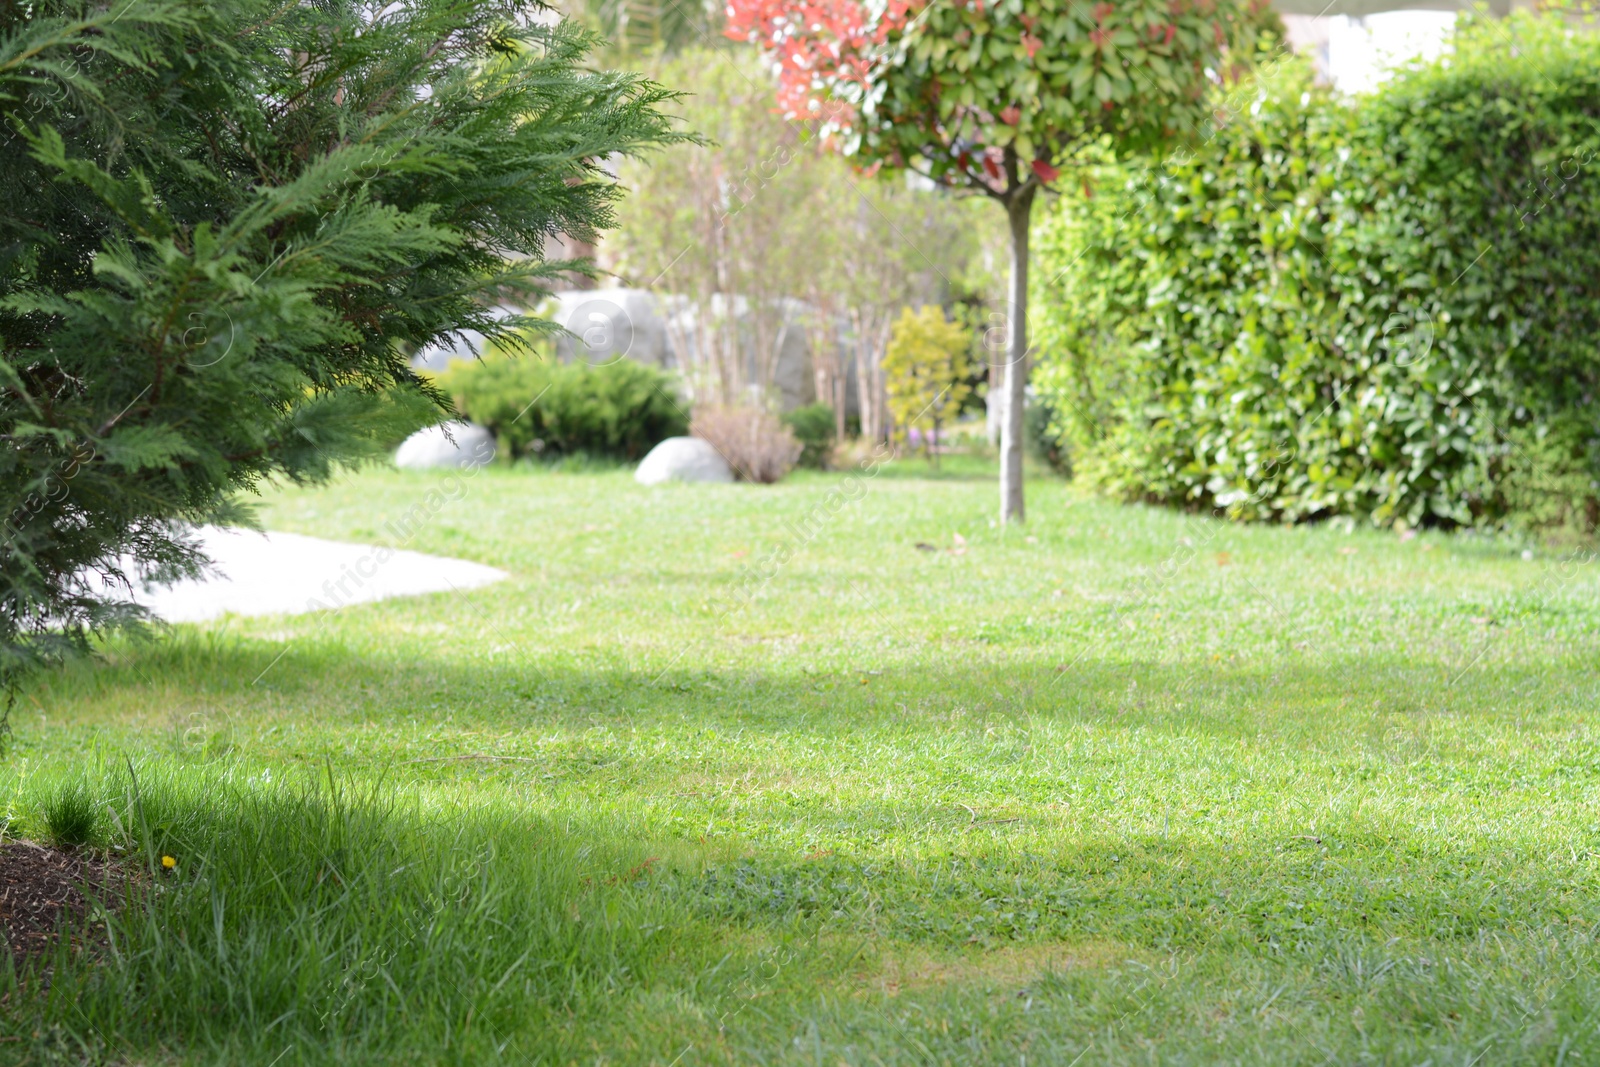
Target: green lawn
x,y
1124,786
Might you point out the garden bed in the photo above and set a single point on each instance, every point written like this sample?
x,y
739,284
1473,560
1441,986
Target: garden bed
x,y
43,888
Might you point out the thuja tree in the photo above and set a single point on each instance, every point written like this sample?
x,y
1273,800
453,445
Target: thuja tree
x,y
995,98
223,226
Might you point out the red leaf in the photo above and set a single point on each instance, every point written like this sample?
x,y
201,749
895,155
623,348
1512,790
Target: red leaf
x,y
1045,171
992,167
1011,115
1032,44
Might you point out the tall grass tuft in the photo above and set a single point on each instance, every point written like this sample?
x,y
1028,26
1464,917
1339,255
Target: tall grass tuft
x,y
70,818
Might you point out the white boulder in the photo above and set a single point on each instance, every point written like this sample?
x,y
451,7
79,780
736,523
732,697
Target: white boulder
x,y
683,459
429,449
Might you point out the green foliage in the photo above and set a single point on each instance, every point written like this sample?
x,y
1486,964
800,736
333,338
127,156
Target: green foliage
x,y
1041,428
226,223
815,427
1037,81
1384,309
993,99
634,29
992,96
540,407
766,213
70,815
926,369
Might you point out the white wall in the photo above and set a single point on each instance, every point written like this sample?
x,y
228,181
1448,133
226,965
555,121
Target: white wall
x,y
1356,53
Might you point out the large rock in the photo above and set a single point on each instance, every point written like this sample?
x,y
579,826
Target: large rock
x,y
605,325
683,459
430,449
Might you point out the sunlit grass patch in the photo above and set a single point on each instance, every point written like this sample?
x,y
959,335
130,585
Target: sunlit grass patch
x,y
1081,790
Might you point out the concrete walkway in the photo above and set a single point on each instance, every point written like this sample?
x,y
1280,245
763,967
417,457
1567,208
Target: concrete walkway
x,y
287,574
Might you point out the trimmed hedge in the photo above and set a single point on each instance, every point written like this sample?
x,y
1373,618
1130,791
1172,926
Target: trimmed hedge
x,y
539,407
1386,308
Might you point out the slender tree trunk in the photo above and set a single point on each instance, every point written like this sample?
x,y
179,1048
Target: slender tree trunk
x,y
880,379
868,375
994,404
1020,207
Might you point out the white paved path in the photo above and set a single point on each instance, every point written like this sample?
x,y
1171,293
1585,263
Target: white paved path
x,y
284,573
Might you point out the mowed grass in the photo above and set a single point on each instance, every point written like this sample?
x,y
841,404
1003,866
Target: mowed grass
x,y
743,775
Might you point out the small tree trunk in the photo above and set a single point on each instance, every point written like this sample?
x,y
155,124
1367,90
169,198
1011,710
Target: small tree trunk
x,y
1016,380
994,403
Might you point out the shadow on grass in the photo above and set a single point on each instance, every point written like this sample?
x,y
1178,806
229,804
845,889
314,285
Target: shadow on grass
x,y
1292,701
352,922
349,921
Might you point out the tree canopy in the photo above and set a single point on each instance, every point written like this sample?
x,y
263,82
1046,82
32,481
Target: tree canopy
x,y
226,224
988,95
995,96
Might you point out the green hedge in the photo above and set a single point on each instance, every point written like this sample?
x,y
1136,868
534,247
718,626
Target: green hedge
x,y
815,428
539,407
1386,308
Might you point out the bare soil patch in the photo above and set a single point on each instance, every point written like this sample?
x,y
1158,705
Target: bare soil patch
x,y
40,886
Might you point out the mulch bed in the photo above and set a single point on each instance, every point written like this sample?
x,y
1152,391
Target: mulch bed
x,y
40,886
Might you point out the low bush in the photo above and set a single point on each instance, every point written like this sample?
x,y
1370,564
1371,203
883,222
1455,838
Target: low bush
x,y
1041,433
815,427
755,442
539,407
926,368
1384,308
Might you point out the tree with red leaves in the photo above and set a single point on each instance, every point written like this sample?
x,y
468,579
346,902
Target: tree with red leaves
x,y
996,97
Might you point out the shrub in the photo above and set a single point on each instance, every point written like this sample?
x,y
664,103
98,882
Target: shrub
x,y
1375,309
926,367
1044,439
815,427
536,406
70,816
756,444
225,223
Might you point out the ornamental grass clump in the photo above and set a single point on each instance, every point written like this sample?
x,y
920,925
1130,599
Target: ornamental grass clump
x,y
755,442
70,816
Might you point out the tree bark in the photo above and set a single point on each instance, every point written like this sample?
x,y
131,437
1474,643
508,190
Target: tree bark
x,y
1019,207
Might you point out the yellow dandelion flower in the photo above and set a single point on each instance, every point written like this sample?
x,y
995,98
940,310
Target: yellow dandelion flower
x,y
168,862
